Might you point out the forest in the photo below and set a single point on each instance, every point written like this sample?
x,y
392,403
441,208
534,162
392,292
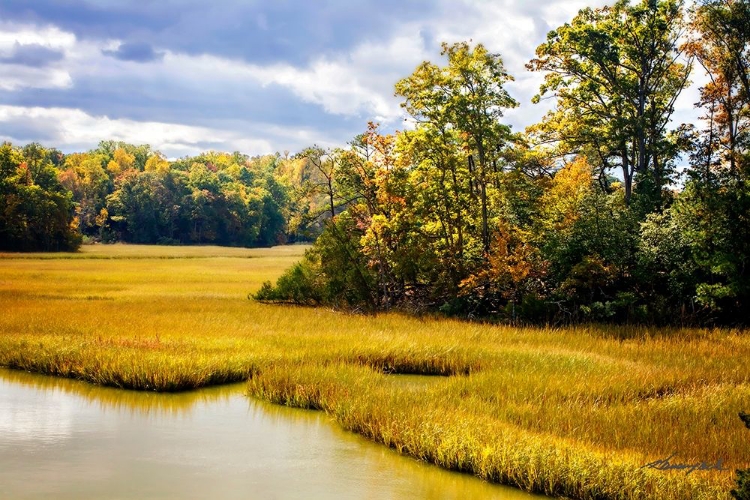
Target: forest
x,y
128,193
605,211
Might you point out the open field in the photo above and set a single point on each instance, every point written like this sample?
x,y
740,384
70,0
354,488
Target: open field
x,y
573,412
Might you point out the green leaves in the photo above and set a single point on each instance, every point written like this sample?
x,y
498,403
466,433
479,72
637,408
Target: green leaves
x,y
35,211
616,74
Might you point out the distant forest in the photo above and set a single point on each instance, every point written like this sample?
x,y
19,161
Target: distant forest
x,y
123,192
584,216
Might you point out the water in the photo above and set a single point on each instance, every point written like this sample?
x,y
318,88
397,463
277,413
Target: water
x,y
67,439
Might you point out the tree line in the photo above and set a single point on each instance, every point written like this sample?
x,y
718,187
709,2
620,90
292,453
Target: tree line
x,y
603,211
50,201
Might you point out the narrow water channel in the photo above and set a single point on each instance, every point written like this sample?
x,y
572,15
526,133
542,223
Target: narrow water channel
x,y
66,439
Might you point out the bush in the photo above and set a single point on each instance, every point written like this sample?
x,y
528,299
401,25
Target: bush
x,y
299,285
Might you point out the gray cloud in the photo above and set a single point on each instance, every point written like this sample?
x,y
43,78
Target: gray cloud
x,y
259,32
24,131
135,51
33,55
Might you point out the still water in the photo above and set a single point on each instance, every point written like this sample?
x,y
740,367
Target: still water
x,y
66,439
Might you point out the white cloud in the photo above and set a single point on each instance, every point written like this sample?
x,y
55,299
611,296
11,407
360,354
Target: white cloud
x,y
73,126
49,36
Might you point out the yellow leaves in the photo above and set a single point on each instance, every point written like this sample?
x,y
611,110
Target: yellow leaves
x,y
573,180
378,227
514,253
114,168
101,219
124,159
294,170
570,187
157,163
73,161
84,172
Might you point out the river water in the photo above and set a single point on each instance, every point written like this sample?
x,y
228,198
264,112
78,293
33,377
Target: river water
x,y
67,439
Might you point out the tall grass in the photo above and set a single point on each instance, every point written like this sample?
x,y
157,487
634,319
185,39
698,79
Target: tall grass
x,y
573,412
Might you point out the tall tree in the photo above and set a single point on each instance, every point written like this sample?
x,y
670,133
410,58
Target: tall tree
x,y
720,42
616,73
713,211
85,177
468,96
323,179
440,176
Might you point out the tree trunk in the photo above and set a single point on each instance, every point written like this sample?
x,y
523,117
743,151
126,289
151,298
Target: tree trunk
x,y
627,177
330,197
640,128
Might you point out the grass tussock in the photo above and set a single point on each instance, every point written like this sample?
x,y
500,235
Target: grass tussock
x,y
568,412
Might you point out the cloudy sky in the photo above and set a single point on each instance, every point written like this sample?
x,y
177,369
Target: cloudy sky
x,y
254,76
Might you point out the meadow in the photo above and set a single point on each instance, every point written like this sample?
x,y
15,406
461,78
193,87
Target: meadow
x,y
571,412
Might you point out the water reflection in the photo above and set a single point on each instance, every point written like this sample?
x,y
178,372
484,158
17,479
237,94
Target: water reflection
x,y
119,400
52,422
67,439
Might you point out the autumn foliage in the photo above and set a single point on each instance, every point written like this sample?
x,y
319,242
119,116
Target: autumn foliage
x,y
583,218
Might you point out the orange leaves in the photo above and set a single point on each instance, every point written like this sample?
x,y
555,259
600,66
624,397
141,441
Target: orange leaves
x,y
24,174
513,265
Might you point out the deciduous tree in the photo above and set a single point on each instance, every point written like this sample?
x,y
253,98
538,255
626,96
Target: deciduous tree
x,y
616,73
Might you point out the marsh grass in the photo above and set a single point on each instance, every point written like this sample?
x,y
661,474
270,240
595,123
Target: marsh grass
x,y
573,412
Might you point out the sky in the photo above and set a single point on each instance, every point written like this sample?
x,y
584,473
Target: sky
x,y
259,77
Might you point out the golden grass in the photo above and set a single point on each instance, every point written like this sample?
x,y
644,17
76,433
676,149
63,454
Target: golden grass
x,y
571,412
